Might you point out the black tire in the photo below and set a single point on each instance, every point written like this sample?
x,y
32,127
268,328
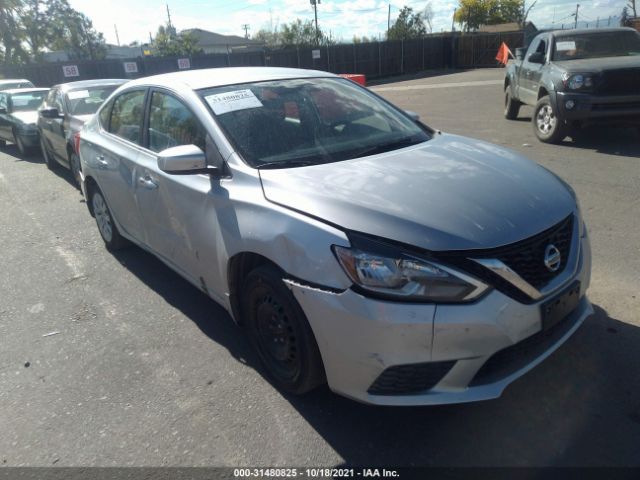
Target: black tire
x,y
280,332
548,127
106,226
48,158
511,106
3,143
74,166
22,148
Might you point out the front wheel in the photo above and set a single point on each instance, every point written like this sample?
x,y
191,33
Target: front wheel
x,y
511,106
280,332
74,163
547,126
108,230
22,148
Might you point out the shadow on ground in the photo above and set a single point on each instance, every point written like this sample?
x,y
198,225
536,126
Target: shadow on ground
x,y
580,407
621,141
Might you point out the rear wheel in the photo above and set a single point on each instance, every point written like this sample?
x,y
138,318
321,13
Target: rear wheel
x,y
280,332
511,106
548,127
108,230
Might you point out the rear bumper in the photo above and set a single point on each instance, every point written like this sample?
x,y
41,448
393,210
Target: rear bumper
x,y
625,109
476,349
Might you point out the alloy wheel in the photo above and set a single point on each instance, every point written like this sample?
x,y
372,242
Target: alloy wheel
x,y
103,217
546,119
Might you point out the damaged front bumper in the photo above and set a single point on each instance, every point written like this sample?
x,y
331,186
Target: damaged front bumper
x,y
392,353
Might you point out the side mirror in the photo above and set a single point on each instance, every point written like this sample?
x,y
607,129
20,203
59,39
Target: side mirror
x,y
520,53
3,110
414,116
50,112
184,160
536,57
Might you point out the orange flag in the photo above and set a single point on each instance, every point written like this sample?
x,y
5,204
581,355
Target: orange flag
x,y
503,54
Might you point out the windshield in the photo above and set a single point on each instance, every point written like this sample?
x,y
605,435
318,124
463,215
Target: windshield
x,y
88,100
286,123
597,45
28,101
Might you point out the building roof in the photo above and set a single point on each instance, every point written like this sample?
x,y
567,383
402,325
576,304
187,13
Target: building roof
x,y
501,27
91,83
216,77
206,38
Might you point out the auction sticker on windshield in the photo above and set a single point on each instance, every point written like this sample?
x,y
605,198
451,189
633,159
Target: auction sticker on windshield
x,y
78,94
232,101
564,46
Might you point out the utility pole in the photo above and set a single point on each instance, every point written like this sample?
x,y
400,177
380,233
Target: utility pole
x,y
453,20
575,25
117,36
169,21
388,21
315,12
246,27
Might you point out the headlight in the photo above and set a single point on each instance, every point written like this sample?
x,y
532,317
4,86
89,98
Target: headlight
x,y
404,277
578,81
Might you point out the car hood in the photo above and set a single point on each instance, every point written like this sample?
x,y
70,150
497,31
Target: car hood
x,y
26,117
598,65
451,193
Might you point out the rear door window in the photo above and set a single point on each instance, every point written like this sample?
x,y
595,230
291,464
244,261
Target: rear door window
x,y
127,114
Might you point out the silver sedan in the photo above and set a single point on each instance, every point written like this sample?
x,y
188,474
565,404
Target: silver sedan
x,y
354,244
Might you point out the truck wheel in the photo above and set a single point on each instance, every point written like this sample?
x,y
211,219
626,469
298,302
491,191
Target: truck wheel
x,y
511,106
548,127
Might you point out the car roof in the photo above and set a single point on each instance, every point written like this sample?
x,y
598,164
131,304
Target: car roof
x,y
25,90
13,80
582,31
66,87
216,77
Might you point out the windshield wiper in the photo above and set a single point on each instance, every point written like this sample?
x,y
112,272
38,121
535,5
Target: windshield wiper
x,y
287,164
389,146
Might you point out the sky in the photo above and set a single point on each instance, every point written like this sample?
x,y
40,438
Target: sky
x,y
135,19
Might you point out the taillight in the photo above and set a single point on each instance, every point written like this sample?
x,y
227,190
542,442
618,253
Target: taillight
x,y
76,142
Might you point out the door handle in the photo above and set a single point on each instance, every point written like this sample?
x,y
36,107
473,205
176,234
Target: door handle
x,y
147,182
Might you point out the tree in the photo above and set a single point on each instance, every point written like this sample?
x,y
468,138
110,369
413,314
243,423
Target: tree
x,y
295,34
363,39
11,32
473,13
168,43
270,38
407,25
632,7
55,25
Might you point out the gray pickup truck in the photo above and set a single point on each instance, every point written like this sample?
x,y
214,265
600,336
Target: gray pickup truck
x,y
575,78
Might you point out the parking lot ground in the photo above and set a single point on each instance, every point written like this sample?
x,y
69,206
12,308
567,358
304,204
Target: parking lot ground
x,y
112,360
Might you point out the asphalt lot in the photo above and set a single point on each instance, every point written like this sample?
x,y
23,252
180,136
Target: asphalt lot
x,y
146,370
